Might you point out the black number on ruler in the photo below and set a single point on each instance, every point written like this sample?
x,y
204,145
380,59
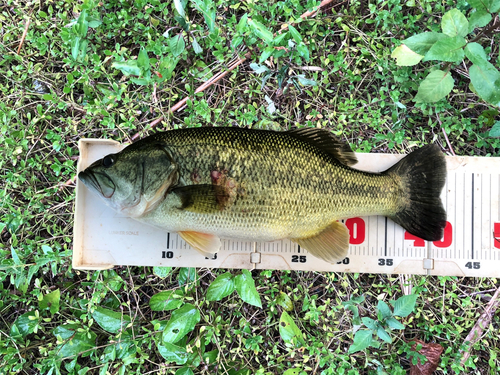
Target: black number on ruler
x,y
167,254
471,265
213,258
385,262
299,258
344,261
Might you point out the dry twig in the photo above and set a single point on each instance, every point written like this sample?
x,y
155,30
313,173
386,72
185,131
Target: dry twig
x,y
25,32
482,323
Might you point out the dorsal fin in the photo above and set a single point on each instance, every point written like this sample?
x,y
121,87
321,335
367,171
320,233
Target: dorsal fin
x,y
326,141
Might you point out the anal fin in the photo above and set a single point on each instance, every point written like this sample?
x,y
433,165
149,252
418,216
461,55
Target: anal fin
x,y
331,244
206,244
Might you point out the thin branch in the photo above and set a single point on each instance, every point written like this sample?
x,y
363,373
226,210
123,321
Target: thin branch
x,y
445,136
482,323
25,32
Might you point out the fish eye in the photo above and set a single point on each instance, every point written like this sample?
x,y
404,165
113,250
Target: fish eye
x,y
108,161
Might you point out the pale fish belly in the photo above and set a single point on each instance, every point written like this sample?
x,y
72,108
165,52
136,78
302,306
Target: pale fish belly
x,y
276,217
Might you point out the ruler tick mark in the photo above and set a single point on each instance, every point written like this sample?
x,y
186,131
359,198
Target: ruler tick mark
x,y
385,240
472,220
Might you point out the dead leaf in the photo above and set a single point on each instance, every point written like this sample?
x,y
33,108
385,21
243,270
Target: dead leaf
x,y
432,352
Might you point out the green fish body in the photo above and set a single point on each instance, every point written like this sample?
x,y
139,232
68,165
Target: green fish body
x,y
210,183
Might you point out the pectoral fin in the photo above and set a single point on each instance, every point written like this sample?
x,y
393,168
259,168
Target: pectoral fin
x,y
206,244
331,244
202,198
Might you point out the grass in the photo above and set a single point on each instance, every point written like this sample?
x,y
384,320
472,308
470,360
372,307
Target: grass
x,y
54,92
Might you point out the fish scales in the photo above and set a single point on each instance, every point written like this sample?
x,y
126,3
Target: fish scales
x,y
290,187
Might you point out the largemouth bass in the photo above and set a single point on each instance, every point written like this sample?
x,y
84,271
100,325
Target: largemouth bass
x,y
211,183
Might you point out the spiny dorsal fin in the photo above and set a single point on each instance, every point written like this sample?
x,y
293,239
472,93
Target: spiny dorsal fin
x,y
326,141
202,198
331,244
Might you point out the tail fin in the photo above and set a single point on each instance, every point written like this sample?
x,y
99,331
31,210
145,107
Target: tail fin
x,y
423,175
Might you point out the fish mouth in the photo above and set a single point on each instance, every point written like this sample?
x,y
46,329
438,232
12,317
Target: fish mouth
x,y
98,181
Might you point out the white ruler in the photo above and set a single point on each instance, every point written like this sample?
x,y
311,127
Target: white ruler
x,y
470,246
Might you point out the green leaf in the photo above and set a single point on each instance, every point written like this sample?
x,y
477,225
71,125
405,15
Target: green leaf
x,y
245,286
268,51
260,30
51,301
284,301
447,49
140,81
475,53
94,22
394,324
187,275
384,310
369,323
166,69
305,81
362,340
75,47
422,43
162,271
495,130
289,332
384,335
404,306
196,47
434,87
206,8
454,23
292,371
184,371
177,45
492,6
25,324
257,68
221,287
143,60
79,343
181,323
242,25
180,8
479,18
303,51
128,67
82,25
295,34
109,320
167,300
405,56
486,81
182,22
173,353
478,4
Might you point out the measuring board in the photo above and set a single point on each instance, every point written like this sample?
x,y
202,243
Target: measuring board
x,y
470,245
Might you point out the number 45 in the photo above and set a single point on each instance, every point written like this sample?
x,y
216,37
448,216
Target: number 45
x,y
471,265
